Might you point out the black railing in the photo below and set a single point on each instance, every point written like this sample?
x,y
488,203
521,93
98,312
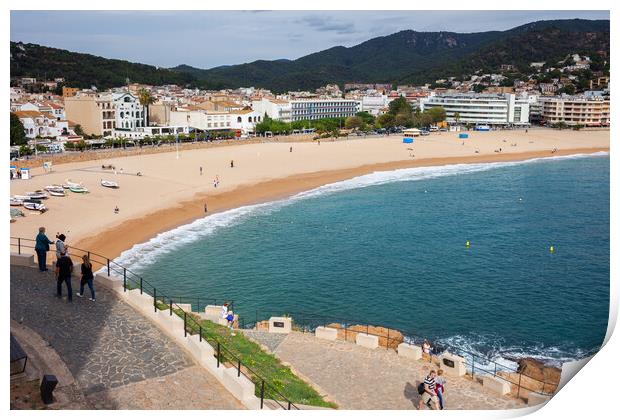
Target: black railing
x,y
191,321
477,363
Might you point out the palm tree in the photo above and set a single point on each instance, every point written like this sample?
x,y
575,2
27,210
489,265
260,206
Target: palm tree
x,y
146,99
457,117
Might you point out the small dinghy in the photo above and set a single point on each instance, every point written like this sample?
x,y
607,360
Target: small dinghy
x,y
57,188
35,206
78,189
68,184
56,193
17,201
38,195
109,184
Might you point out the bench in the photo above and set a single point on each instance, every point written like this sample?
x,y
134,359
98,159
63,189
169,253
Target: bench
x,y
19,358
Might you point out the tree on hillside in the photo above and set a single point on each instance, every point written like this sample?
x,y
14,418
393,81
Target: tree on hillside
x,y
18,135
146,99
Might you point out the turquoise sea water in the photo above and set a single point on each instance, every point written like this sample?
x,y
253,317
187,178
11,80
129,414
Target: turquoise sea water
x,y
389,249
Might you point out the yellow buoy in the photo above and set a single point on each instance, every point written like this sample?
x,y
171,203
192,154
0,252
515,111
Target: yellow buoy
x,y
552,249
467,244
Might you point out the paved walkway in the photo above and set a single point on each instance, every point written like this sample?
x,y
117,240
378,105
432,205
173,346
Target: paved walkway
x,y
268,340
111,350
360,378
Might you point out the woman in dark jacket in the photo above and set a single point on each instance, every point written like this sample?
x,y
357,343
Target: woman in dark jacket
x,y
41,247
87,277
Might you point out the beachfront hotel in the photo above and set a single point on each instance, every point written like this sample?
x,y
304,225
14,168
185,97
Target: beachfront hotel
x,y
314,109
489,109
589,112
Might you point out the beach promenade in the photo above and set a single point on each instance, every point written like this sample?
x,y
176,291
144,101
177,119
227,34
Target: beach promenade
x,y
358,378
105,354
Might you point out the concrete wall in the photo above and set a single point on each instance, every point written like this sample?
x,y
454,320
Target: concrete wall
x,y
326,333
26,260
410,351
368,341
201,351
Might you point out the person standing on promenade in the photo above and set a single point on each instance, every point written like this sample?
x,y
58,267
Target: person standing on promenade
x,y
440,388
429,395
87,277
230,321
60,245
64,268
426,350
41,248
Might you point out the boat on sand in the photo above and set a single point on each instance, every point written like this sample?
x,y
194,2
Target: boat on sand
x,y
109,184
35,206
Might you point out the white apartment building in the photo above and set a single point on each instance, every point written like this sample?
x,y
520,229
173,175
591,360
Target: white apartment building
x,y
373,104
276,109
129,112
487,109
576,110
242,120
314,109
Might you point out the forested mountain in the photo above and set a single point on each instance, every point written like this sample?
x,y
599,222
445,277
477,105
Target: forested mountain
x,y
404,57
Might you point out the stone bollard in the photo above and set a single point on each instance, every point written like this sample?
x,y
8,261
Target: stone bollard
x,y
410,351
496,384
452,364
326,333
279,324
368,341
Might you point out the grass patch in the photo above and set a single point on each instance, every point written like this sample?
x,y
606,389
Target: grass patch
x,y
263,364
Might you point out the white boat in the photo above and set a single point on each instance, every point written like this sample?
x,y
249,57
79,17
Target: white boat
x,y
78,189
35,206
68,184
17,201
57,188
37,195
109,184
57,193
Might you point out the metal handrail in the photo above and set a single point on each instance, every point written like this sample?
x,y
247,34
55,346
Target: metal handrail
x,y
308,322
159,298
112,267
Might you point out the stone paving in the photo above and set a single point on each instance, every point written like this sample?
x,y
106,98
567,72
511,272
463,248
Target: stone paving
x,y
268,340
360,378
107,345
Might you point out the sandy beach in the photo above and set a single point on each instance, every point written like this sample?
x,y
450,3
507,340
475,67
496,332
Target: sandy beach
x,y
171,192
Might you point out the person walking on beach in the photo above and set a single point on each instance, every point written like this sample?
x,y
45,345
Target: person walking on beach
x,y
429,396
206,207
232,163
87,277
440,388
116,210
41,248
64,268
291,149
201,171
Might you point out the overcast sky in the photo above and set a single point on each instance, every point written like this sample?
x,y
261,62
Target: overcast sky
x,y
207,39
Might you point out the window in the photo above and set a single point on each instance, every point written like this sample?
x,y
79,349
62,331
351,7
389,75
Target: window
x,y
238,119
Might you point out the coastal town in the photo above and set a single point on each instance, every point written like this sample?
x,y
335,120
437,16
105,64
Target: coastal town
x,y
56,117
415,238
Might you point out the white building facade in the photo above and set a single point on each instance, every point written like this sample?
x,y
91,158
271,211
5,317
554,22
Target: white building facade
x,y
314,109
487,109
276,109
130,113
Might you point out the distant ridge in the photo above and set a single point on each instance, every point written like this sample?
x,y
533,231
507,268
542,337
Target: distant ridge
x,y
403,57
